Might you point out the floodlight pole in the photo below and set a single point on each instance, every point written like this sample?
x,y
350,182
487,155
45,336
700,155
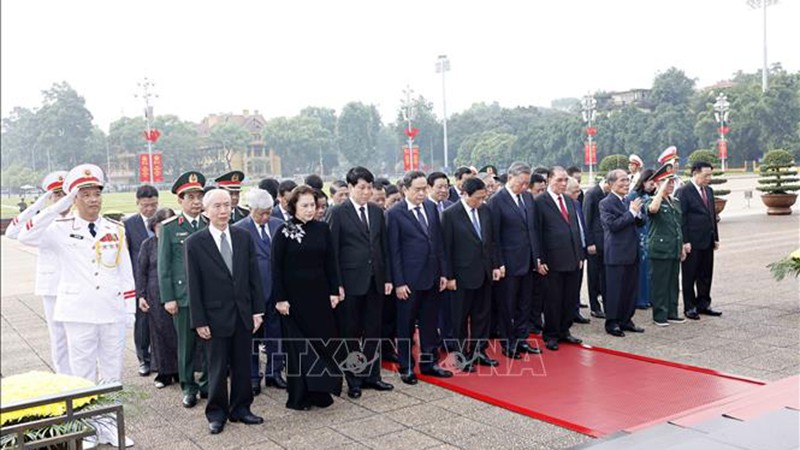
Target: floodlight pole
x,y
443,66
147,94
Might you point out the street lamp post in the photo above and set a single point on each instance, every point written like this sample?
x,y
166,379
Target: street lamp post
x,y
409,114
146,85
721,109
763,4
588,109
443,66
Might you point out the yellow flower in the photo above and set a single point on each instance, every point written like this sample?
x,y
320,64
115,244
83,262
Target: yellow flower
x,y
795,254
35,384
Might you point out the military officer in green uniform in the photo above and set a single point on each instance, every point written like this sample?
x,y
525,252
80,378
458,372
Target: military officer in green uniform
x,y
172,280
665,246
232,182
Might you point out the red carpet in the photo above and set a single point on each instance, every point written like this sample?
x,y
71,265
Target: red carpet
x,y
592,390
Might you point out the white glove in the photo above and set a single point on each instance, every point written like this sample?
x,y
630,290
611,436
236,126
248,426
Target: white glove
x,y
65,202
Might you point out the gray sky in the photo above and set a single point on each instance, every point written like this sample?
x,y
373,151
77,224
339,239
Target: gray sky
x,y
280,56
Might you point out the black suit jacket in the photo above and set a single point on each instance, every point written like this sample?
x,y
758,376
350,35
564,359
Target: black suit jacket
x,y
699,224
135,234
470,260
560,242
217,298
621,239
360,254
591,212
514,232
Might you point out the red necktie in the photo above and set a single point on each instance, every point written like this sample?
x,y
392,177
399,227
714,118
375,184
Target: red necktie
x,y
563,209
703,194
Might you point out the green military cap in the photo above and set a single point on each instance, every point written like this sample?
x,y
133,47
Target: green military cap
x,y
231,181
490,169
191,181
664,172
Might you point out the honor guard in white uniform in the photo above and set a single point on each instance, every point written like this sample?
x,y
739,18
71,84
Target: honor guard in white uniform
x,y
670,156
96,293
635,166
47,273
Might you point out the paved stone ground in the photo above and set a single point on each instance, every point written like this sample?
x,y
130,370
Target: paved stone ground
x,y
758,336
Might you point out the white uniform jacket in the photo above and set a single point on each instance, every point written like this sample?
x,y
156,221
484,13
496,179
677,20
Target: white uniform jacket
x,y
96,279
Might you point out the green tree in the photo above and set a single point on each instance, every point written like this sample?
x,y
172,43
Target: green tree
x,y
66,126
357,133
300,141
20,134
229,137
672,87
489,147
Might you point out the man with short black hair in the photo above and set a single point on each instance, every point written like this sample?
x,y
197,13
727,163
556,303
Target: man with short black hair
x,y
438,189
701,239
461,174
358,233
270,185
315,181
136,231
537,185
284,189
339,192
575,173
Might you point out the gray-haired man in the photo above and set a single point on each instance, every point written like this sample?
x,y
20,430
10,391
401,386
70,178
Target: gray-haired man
x,y
262,227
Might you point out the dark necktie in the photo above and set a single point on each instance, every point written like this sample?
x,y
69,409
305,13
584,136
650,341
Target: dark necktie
x,y
364,218
476,223
194,224
563,208
226,252
421,218
265,234
521,202
92,230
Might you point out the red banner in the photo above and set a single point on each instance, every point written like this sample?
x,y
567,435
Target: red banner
x,y
590,153
723,149
144,168
410,159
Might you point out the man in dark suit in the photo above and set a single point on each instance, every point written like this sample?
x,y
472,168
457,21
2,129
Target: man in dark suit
x,y
575,173
559,256
513,223
461,174
136,231
596,274
574,193
232,182
284,190
418,272
701,239
438,189
226,303
619,217
473,265
358,233
262,227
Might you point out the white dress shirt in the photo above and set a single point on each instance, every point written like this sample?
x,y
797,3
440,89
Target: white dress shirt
x,y
513,195
421,206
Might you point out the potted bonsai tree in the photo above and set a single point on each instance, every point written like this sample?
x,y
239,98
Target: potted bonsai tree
x,y
718,176
778,182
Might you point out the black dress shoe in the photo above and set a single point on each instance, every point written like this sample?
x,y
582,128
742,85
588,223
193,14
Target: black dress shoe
x,y
551,344
248,419
256,386
709,312
536,330
354,392
277,382
469,368
692,314
633,328
580,319
204,395
598,314
144,369
436,371
526,348
408,378
570,339
216,427
584,305
379,385
511,354
484,360
189,400
616,331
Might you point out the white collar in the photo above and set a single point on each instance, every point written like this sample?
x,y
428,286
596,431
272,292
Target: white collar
x,y
467,207
355,203
190,218
554,196
411,206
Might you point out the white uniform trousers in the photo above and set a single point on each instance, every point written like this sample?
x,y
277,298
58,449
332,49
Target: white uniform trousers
x,y
96,345
58,337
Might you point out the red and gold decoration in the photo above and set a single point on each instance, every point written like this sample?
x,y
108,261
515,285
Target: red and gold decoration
x,y
144,168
